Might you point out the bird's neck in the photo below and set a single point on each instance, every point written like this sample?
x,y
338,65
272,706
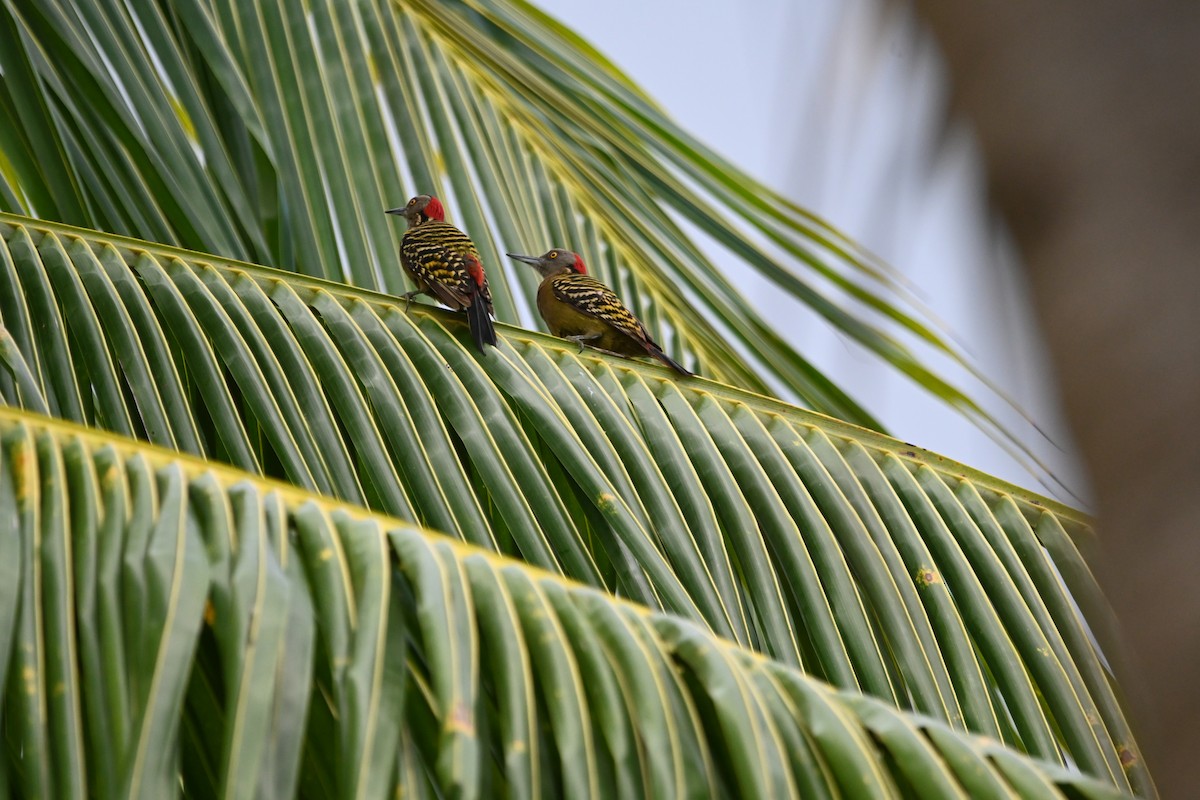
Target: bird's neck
x,y
423,220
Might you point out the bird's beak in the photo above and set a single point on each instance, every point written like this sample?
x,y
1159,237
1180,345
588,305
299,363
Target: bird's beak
x,y
399,211
534,260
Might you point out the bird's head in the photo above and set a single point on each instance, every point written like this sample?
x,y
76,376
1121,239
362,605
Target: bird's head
x,y
554,262
421,208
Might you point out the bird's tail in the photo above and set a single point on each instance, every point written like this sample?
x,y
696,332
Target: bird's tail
x,y
657,352
483,330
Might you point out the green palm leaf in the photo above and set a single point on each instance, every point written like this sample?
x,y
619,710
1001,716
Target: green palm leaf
x,y
167,623
830,549
342,654
278,133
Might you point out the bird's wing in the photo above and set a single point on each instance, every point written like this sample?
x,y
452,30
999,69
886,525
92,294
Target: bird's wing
x,y
445,258
596,300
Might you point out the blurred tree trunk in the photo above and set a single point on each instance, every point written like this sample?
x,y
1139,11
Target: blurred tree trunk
x,y
1089,116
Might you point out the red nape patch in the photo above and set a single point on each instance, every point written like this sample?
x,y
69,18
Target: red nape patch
x,y
475,270
580,267
434,210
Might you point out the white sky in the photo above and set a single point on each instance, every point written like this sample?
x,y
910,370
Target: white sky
x,y
840,108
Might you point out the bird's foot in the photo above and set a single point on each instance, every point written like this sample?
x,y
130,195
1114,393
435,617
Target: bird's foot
x,y
408,296
581,339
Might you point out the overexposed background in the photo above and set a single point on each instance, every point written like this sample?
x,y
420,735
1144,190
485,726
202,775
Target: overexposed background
x,y
841,106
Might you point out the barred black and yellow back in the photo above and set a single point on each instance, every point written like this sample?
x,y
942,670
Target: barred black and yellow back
x,y
592,297
443,262
576,306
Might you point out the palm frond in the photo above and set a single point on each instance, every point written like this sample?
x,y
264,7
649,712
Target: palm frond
x,y
278,134
858,559
188,626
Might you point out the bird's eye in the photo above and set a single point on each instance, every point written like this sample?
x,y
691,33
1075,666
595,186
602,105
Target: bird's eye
x,y
553,254
412,202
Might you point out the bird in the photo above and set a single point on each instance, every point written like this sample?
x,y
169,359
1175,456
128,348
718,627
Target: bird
x,y
444,264
581,309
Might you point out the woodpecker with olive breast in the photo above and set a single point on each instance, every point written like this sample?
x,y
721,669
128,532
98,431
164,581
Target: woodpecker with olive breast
x,y
580,308
444,264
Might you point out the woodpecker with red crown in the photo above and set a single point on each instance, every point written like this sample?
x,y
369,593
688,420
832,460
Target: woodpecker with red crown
x,y
444,264
580,308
